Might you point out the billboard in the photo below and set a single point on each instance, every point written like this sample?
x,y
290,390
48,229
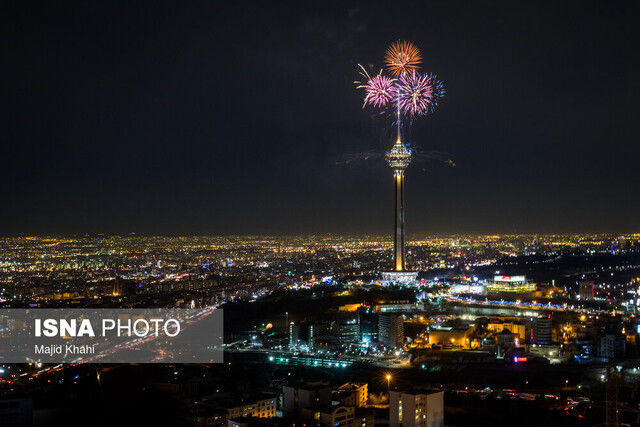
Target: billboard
x,y
513,279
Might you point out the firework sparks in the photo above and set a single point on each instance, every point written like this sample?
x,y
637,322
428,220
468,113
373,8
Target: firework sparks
x,y
380,90
402,58
418,94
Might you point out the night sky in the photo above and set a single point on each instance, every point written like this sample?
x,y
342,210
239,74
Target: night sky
x,y
194,118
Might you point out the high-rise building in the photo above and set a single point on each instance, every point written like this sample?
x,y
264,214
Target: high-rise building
x,y
612,346
416,410
391,330
542,330
585,290
368,320
349,330
301,334
294,335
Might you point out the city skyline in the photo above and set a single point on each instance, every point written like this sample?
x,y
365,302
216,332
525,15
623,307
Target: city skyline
x,y
149,121
199,227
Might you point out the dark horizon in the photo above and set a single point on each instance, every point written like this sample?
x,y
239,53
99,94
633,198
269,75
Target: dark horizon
x,y
193,119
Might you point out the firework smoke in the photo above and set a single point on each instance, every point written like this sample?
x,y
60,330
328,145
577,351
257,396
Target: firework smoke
x,y
418,155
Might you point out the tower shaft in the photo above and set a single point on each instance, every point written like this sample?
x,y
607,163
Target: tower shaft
x,y
398,244
399,158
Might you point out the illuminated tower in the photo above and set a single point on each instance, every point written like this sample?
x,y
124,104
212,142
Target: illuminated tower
x,y
399,158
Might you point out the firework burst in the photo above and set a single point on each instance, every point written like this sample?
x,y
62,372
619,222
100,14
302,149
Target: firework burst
x,y
418,94
402,58
380,90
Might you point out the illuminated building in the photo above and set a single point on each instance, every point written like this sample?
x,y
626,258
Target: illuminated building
x,y
319,404
349,331
416,410
513,284
391,330
368,320
520,329
356,394
467,288
294,335
542,330
398,307
449,336
586,290
301,335
264,408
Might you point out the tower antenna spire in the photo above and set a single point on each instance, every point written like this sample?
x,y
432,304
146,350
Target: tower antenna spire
x,y
398,115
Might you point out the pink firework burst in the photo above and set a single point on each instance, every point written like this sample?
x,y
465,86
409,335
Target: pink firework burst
x,y
380,90
418,94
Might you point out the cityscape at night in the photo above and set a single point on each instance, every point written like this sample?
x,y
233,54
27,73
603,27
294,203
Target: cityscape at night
x,y
545,323
293,214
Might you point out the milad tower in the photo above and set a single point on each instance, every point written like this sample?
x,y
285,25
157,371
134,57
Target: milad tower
x,y
399,158
415,94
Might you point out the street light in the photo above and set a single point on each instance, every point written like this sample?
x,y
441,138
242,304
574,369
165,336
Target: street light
x,y
388,382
